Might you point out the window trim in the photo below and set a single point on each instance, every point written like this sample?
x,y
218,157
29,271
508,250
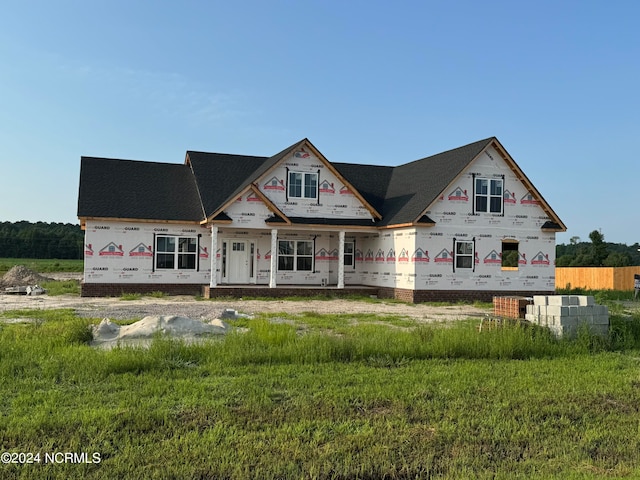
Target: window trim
x,y
457,255
295,256
488,196
304,185
223,259
352,254
177,253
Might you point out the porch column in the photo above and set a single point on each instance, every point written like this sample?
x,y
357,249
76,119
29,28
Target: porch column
x,y
213,256
341,259
274,258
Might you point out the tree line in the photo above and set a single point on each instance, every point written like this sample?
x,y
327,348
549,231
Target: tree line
x,y
596,253
41,240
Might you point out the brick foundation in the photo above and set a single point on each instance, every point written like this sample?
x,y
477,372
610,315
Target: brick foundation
x,y
404,294
419,296
117,289
285,291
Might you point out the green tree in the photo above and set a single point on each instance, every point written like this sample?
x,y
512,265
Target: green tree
x,y
588,254
564,260
510,258
40,240
617,259
599,249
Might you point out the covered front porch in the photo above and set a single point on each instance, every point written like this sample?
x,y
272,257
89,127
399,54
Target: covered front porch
x,y
286,258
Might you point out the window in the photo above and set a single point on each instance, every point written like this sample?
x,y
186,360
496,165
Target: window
x,y
224,259
165,252
464,254
295,256
348,254
251,261
176,253
303,185
510,255
187,253
489,195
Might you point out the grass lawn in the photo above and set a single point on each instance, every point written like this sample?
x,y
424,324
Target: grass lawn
x,y
42,266
326,398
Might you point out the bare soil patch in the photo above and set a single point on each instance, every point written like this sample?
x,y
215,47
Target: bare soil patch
x,y
21,276
115,308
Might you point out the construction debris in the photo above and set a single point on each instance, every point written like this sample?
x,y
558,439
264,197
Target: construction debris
x,y
22,281
30,290
108,334
21,276
231,314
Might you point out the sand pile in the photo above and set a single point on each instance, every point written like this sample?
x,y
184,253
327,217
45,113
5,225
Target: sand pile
x,y
21,276
108,334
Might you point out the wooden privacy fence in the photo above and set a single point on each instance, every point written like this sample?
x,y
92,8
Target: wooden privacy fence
x,y
596,278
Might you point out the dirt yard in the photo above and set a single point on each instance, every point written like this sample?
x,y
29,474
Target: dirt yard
x,y
115,308
185,306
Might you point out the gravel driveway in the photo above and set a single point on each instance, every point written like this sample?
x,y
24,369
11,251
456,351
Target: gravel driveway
x,y
117,309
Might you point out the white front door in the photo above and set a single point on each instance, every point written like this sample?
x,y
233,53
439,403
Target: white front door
x,y
238,261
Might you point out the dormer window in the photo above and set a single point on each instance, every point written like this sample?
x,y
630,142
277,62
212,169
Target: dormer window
x,y
303,185
489,195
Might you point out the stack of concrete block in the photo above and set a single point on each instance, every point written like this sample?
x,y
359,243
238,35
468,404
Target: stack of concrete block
x,y
565,314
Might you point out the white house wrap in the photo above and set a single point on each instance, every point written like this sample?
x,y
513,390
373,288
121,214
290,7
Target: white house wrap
x,y
463,223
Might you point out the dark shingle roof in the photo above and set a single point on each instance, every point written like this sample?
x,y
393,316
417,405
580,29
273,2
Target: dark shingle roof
x,y
219,175
549,225
114,188
401,193
236,171
370,180
194,191
414,186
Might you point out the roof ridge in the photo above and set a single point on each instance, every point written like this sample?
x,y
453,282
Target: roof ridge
x,y
485,140
86,157
363,164
226,154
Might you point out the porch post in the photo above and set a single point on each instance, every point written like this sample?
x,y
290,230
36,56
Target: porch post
x,y
341,259
274,257
213,256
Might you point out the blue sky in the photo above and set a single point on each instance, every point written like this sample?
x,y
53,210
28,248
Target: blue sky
x,y
366,81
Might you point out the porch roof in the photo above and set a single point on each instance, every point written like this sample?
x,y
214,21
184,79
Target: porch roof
x,y
356,222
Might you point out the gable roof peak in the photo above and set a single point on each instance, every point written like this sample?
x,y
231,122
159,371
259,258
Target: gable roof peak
x,y
267,166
